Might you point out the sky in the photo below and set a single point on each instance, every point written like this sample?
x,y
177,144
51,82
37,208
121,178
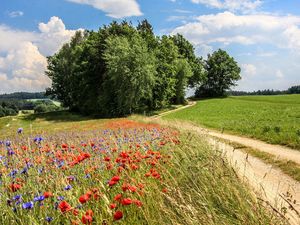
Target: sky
x,y
263,36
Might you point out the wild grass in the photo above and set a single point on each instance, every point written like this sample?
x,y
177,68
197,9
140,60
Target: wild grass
x,y
195,185
288,167
274,119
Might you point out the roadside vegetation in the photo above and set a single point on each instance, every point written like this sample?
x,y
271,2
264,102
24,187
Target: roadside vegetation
x,y
274,119
288,167
132,172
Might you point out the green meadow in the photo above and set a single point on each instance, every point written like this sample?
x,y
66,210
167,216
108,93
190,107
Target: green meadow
x,y
274,119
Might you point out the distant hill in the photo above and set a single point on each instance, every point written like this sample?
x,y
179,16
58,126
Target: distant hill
x,y
24,95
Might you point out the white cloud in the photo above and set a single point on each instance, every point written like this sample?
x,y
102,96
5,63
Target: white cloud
x,y
114,8
52,35
231,5
248,70
14,14
23,60
227,28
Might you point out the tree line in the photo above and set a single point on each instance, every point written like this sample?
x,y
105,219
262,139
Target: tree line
x,y
11,107
291,90
121,69
24,95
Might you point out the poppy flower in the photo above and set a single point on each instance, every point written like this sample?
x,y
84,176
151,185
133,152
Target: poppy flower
x,y
64,206
48,194
15,187
115,178
118,197
126,201
83,199
86,219
112,206
118,215
137,203
89,212
75,212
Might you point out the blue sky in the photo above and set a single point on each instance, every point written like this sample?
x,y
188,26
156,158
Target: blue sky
x,y
262,35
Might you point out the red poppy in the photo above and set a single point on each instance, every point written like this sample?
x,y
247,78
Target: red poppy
x,y
118,215
118,197
83,199
115,178
75,212
14,187
86,219
89,212
112,206
64,206
126,201
138,203
48,194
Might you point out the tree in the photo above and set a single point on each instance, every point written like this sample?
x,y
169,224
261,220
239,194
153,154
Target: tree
x,y
184,72
164,88
222,73
121,69
129,76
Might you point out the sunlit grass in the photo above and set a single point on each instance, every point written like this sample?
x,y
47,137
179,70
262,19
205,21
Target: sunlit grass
x,y
176,177
275,119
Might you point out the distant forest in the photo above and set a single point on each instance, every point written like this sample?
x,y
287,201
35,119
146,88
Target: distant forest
x,y
291,90
11,104
24,95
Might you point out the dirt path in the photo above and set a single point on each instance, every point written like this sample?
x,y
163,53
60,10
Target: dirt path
x,y
270,184
171,111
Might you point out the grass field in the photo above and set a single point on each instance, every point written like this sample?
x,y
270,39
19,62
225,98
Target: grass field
x,y
68,169
274,119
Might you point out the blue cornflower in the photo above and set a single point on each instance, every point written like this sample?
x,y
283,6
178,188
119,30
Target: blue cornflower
x,y
39,198
8,143
13,173
27,205
20,130
17,197
24,171
38,139
60,198
48,219
68,187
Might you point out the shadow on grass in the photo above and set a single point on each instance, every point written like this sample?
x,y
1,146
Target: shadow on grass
x,y
58,116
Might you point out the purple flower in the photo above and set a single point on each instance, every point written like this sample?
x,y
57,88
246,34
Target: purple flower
x,y
27,205
17,197
49,219
68,187
20,130
60,198
39,198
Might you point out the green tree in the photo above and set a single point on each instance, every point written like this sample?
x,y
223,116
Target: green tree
x,y
222,73
184,72
187,51
129,76
165,81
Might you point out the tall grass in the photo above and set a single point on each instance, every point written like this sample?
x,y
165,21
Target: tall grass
x,y
195,185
